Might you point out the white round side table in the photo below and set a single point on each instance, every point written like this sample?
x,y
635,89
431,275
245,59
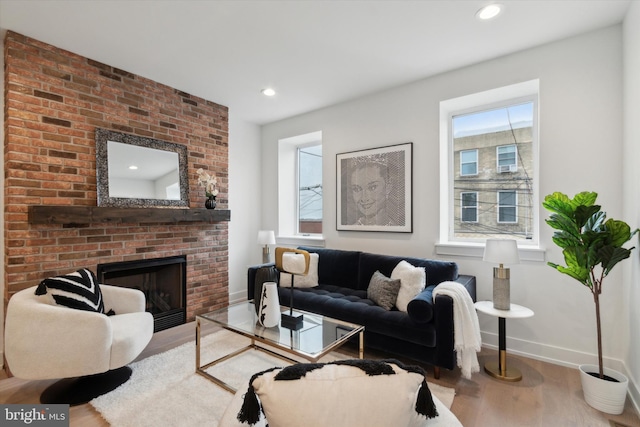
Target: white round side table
x,y
499,369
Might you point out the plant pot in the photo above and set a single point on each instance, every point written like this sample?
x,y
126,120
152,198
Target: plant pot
x,y
603,395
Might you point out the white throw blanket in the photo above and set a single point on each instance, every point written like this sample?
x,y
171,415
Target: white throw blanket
x,y
465,324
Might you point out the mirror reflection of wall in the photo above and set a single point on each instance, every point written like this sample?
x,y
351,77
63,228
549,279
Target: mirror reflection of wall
x,y
141,172
132,170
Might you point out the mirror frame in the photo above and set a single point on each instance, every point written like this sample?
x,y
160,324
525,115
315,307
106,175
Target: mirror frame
x,y
102,170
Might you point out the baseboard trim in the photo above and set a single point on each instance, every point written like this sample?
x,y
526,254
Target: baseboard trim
x,y
237,297
563,357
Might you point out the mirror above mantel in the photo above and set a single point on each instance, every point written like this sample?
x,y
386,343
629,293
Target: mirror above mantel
x,y
135,171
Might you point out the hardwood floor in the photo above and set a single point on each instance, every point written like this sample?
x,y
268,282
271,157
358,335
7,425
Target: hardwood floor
x,y
548,395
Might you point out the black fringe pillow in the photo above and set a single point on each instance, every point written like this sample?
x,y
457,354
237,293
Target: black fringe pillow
x,y
79,290
344,393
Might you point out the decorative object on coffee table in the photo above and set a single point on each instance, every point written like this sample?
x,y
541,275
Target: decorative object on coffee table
x,y
294,262
501,251
269,310
266,238
263,275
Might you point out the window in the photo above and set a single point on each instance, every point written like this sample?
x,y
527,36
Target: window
x,y
310,189
469,162
489,154
507,206
469,207
300,186
506,156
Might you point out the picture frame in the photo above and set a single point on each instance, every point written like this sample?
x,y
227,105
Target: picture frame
x,y
374,189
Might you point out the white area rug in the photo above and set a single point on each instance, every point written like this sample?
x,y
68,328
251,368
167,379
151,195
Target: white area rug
x,y
165,390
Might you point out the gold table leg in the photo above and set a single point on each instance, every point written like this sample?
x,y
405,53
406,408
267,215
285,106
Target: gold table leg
x,y
499,369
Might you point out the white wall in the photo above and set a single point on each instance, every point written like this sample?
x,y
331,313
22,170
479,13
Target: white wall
x,y
245,197
581,149
631,180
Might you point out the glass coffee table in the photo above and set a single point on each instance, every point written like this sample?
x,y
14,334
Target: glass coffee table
x,y
319,336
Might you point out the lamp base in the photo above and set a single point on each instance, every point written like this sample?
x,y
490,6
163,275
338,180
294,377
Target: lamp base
x,y
501,289
291,321
266,255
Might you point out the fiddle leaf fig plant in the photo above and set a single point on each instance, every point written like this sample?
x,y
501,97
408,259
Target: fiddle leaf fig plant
x,y
591,244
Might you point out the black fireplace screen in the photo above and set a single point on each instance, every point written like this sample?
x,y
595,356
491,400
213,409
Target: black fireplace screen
x,y
162,280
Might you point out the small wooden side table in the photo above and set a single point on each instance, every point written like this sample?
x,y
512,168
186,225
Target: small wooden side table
x,y
499,369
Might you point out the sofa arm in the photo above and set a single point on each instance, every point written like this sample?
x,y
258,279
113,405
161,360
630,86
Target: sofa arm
x,y
469,282
251,278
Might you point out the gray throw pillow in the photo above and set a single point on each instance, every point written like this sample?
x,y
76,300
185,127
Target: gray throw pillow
x,y
383,291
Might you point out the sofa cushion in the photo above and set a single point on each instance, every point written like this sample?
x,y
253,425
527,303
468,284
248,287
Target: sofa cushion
x,y
436,271
79,290
412,282
307,281
352,305
344,393
420,309
338,267
383,291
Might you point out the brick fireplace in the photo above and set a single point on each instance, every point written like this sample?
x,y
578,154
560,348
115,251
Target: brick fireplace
x,y
54,101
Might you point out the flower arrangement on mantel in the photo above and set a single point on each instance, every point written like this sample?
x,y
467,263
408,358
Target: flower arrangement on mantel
x,y
208,182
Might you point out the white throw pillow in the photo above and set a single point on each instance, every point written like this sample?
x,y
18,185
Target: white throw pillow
x,y
339,394
412,282
308,281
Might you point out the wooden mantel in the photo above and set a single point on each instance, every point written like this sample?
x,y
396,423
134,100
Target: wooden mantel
x,y
116,215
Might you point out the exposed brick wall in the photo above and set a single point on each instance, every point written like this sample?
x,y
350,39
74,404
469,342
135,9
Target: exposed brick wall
x,y
54,100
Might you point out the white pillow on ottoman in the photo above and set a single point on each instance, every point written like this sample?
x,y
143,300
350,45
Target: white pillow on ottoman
x,y
346,393
412,282
445,417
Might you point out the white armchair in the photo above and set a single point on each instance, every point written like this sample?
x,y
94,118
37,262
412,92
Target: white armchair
x,y
45,341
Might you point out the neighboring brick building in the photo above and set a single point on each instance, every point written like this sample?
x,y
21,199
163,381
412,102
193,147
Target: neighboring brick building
x,y
493,179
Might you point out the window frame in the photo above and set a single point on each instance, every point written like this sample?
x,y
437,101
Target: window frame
x,y
527,91
475,150
500,207
288,189
515,157
463,207
299,148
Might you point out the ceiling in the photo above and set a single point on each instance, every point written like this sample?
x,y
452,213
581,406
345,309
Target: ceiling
x,y
313,53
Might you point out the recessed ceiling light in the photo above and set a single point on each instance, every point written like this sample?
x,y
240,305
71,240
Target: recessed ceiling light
x,y
489,11
133,167
268,92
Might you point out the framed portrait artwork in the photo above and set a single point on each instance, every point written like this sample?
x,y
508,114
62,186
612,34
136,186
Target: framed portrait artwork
x,y
374,189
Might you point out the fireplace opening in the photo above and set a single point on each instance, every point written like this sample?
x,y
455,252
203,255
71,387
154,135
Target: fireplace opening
x,y
162,280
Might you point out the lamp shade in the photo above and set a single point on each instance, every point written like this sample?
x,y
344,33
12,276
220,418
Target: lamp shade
x,y
501,251
266,237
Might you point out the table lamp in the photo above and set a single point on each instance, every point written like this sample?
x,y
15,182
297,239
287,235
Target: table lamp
x,y
294,262
266,238
501,251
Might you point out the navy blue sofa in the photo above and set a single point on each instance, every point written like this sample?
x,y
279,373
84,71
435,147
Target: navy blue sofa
x,y
424,334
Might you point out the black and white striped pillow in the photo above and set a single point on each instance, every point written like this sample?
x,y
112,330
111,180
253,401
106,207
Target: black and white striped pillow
x,y
79,290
